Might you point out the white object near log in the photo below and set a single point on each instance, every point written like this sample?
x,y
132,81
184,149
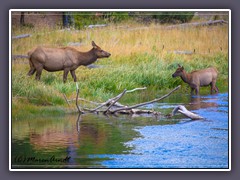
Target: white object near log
x,y
187,113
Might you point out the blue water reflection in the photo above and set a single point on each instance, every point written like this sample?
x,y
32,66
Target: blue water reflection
x,y
187,144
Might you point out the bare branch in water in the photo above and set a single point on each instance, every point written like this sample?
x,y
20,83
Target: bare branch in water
x,y
79,110
145,103
183,110
113,106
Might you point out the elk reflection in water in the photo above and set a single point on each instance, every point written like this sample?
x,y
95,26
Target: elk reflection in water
x,y
82,130
73,132
198,102
93,140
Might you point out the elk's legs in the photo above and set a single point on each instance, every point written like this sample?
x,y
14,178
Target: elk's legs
x,y
39,72
31,71
214,87
66,71
74,75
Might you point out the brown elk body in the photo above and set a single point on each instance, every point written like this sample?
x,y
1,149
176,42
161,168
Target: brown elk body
x,y
199,78
62,59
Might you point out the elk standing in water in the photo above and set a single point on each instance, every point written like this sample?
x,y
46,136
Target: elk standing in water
x,y
62,59
198,78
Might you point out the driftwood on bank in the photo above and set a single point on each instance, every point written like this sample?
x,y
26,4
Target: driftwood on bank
x,y
96,26
197,24
145,103
14,57
112,106
111,101
75,44
183,52
21,36
183,110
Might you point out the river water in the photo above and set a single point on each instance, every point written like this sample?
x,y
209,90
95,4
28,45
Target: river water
x,y
98,141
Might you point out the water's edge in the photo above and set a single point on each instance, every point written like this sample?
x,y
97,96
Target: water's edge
x,y
96,141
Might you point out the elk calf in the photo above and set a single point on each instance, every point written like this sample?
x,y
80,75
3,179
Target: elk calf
x,y
199,78
62,59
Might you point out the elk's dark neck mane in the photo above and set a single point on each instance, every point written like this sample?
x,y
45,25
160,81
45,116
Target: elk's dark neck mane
x,y
86,58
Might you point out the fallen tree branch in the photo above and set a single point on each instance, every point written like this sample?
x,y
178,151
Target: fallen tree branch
x,y
113,106
115,100
65,97
145,103
182,52
103,104
196,24
21,36
183,110
96,26
14,57
142,111
79,110
136,89
81,99
112,99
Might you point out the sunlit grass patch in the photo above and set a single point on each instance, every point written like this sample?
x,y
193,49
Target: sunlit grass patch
x,y
141,57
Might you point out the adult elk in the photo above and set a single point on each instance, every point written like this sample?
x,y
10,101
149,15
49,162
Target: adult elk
x,y
62,59
199,78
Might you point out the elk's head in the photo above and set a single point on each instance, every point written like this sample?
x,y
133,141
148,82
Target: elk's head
x,y
99,52
178,72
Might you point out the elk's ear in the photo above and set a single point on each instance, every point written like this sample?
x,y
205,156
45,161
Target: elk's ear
x,y
94,45
182,68
179,65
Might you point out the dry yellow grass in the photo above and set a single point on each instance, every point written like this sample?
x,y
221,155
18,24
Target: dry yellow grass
x,y
138,59
126,40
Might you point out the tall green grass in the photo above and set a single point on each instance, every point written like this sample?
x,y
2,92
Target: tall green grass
x,y
138,60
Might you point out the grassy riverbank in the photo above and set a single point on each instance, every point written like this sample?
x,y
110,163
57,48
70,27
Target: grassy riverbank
x,y
141,56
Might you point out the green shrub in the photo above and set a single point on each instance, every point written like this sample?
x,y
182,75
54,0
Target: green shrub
x,y
82,19
173,17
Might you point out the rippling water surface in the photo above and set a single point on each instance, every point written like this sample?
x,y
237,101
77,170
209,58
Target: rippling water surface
x,y
96,141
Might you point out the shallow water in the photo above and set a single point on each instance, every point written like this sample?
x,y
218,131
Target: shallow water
x,y
97,141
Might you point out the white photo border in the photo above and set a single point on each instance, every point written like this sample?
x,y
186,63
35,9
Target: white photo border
x,y
119,10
